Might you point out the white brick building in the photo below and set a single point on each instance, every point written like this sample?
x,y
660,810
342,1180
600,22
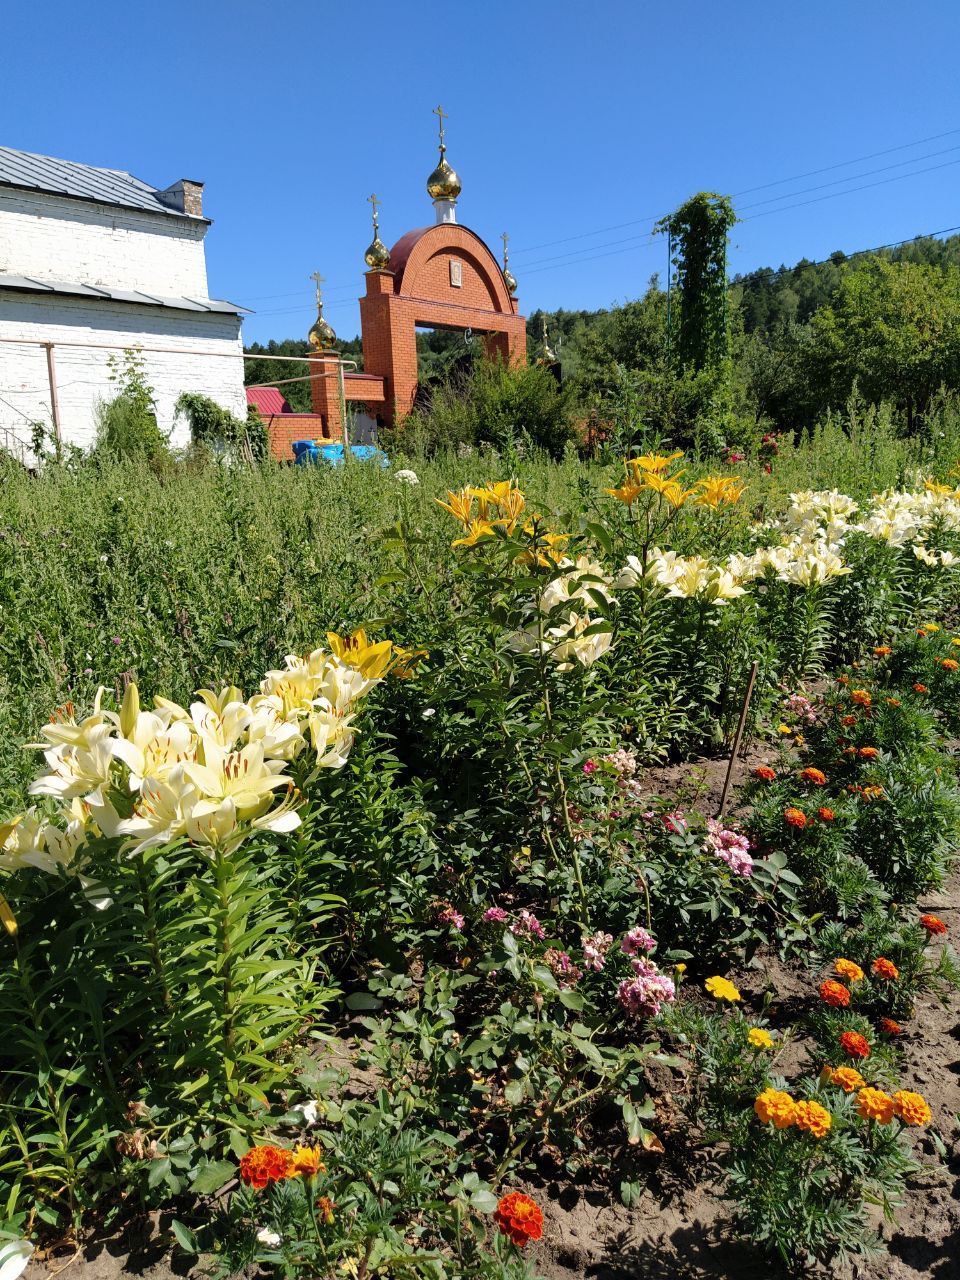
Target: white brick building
x,y
93,261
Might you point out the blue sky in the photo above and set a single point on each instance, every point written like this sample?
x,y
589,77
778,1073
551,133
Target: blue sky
x,y
572,126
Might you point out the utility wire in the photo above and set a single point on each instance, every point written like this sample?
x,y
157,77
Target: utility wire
x,y
746,191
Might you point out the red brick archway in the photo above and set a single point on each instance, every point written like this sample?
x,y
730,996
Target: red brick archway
x,y
443,277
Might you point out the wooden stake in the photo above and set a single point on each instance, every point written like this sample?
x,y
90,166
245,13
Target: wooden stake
x,y
738,737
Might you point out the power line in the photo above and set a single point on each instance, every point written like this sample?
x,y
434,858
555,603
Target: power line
x,y
766,213
859,253
811,173
788,195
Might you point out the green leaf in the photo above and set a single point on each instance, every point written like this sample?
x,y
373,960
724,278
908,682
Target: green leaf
x,y
363,1000
211,1175
184,1236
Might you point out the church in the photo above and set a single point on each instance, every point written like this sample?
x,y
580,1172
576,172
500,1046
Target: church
x,y
93,261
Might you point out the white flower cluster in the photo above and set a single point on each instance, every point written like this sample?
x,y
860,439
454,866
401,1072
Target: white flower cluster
x,y
565,629
812,532
212,773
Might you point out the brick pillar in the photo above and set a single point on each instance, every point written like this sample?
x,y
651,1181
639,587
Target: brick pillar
x,y
325,391
389,344
497,347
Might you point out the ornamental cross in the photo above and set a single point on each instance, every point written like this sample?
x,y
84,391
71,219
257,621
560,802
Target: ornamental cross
x,y
439,111
318,280
376,204
506,239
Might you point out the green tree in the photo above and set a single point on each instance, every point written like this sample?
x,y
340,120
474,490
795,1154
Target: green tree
x,y
893,329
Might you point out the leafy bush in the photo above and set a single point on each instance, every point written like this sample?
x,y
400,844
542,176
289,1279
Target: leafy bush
x,y
127,424
496,404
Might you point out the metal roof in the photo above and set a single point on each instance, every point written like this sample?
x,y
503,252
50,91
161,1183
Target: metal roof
x,y
27,284
81,181
268,400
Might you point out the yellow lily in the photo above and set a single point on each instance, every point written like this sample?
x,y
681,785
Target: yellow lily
x,y
718,491
371,660
668,488
460,505
652,463
476,529
627,493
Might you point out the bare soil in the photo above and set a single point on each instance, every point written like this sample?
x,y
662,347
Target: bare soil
x,y
682,1229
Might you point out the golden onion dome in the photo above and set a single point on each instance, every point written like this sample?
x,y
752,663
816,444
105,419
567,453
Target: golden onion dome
x,y
510,280
377,256
443,183
321,336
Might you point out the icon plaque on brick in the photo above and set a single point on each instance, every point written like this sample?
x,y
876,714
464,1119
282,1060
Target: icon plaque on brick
x,y
456,274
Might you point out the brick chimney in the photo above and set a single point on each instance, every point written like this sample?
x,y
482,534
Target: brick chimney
x,y
185,196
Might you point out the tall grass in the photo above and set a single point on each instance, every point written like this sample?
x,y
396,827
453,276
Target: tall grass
x,y
193,575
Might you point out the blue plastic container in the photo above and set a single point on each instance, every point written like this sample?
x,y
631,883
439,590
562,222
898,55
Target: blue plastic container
x,y
307,453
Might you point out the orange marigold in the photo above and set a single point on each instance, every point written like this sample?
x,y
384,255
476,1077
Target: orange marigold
x,y
520,1218
814,1118
816,777
868,753
848,721
326,1207
933,924
775,1107
882,650
872,793
834,994
263,1165
846,1078
764,773
893,702
890,1027
911,1108
874,1104
884,968
920,688
825,814
856,1045
843,679
949,664
861,698
848,969
795,817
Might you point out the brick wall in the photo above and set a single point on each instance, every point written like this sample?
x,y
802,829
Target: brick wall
x,y
51,237
284,428
83,372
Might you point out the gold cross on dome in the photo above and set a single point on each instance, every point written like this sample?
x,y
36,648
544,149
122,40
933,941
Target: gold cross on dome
x,y
376,205
439,111
506,240
318,280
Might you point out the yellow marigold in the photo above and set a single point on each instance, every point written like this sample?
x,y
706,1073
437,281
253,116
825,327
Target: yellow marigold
x,y
932,626
814,1118
911,1108
760,1038
721,989
874,1104
775,1107
307,1161
846,1078
848,969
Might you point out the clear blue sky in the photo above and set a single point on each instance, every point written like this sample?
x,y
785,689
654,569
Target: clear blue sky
x,y
565,119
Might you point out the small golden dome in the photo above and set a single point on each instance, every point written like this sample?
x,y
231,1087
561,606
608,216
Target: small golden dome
x,y
443,183
510,280
321,336
377,256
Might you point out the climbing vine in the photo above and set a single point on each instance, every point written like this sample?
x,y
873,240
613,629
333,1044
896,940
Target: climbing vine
x,y
698,233
219,430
